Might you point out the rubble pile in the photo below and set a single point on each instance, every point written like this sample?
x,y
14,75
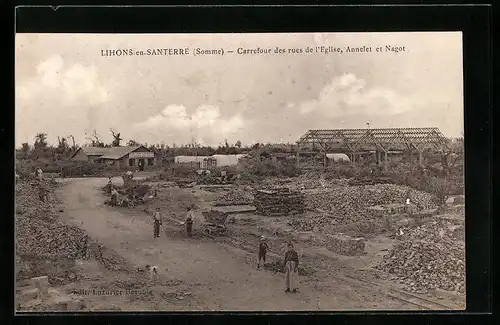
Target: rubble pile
x,y
280,201
423,266
49,240
312,223
234,197
28,203
350,201
345,245
434,231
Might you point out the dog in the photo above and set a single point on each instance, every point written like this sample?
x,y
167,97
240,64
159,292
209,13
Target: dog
x,y
153,272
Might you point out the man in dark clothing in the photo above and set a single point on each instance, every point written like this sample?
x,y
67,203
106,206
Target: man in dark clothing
x,y
262,251
291,267
157,223
189,222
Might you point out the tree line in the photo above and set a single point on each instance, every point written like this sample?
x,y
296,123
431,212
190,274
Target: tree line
x,y
66,145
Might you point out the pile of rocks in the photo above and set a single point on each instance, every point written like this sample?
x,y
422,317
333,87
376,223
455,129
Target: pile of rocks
x,y
351,201
422,265
234,197
49,239
314,223
434,231
345,245
280,201
28,203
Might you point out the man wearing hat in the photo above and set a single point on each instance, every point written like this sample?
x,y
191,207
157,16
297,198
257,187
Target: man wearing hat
x,y
262,251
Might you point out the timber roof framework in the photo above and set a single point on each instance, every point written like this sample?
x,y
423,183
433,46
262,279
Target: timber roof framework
x,y
376,139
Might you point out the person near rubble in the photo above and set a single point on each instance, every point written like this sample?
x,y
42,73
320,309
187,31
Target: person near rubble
x,y
189,221
157,222
39,173
291,266
223,175
263,247
110,185
42,193
114,197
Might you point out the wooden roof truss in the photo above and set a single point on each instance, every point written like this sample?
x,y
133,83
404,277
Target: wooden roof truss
x,y
376,139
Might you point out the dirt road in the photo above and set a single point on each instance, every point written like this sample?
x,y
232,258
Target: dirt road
x,y
216,277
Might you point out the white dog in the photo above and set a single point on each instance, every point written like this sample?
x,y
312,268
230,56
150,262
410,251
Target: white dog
x,y
153,272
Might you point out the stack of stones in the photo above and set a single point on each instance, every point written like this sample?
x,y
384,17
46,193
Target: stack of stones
x,y
280,201
345,245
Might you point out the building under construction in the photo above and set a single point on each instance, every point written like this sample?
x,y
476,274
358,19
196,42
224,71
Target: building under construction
x,y
358,142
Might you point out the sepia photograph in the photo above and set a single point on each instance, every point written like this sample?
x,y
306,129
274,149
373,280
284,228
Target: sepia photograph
x,y
239,172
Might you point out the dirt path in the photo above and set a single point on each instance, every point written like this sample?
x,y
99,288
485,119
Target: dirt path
x,y
218,277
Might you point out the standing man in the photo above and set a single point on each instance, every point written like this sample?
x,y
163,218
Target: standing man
x,y
263,247
291,267
39,173
189,221
114,197
110,185
157,221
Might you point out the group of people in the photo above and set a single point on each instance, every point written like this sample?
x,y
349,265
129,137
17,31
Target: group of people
x,y
290,264
158,221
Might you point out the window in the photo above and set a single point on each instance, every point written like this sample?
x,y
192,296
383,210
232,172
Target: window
x,y
131,162
150,161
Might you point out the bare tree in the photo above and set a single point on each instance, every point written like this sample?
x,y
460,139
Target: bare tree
x,y
62,145
73,146
96,140
116,138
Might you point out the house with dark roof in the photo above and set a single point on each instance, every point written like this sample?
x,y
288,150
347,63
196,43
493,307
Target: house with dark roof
x,y
136,157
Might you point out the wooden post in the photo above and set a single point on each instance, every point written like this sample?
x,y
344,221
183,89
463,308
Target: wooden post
x,y
385,160
297,159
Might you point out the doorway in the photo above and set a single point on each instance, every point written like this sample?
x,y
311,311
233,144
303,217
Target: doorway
x,y
141,165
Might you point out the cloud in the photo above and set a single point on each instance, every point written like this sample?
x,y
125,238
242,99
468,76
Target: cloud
x,y
74,84
348,95
175,124
73,94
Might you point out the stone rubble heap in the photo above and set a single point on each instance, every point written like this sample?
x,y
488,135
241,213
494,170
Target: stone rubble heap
x,y
280,201
350,202
434,231
422,266
28,203
431,256
313,223
50,240
345,245
234,197
39,236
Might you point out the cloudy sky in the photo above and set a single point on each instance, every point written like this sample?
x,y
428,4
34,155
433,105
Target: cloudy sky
x,y
65,86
